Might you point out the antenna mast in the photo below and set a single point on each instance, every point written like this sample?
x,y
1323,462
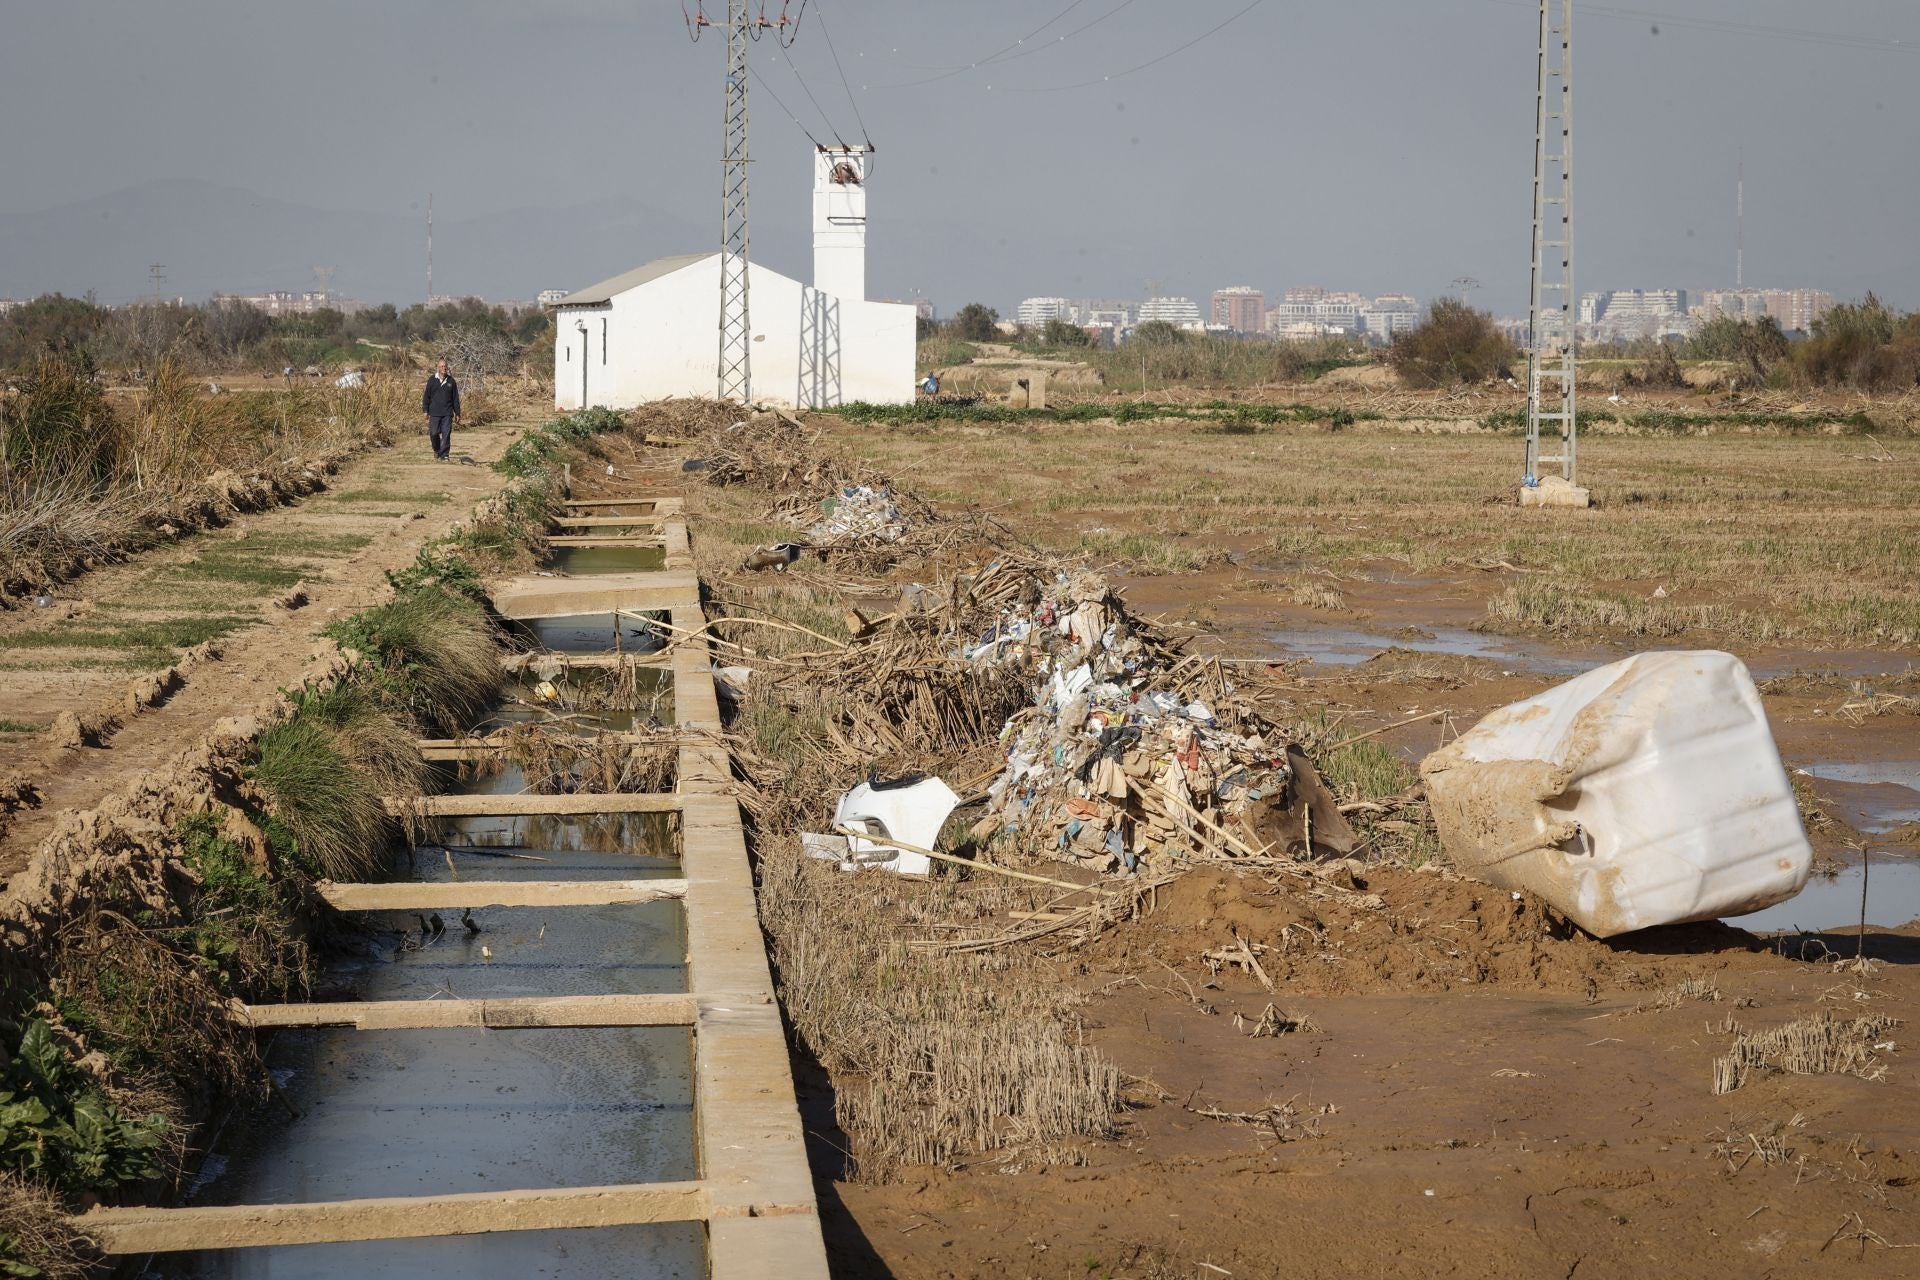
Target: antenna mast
x,y
429,248
1550,319
1740,221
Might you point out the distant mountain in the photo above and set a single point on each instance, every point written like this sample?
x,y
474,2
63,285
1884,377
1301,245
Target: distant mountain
x,y
218,238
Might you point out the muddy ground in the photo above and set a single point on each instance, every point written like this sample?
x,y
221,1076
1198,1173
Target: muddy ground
x,y
1442,1080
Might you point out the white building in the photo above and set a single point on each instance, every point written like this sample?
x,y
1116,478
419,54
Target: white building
x,y
1182,313
1035,312
653,332
551,297
1389,315
1314,311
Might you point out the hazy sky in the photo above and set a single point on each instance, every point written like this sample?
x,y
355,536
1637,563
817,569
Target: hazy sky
x,y
1368,144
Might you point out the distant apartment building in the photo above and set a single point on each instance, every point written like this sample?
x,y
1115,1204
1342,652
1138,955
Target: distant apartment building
x,y
1035,312
1240,309
1390,315
1794,309
1113,316
551,297
1634,313
1181,313
8,304
285,302
1313,311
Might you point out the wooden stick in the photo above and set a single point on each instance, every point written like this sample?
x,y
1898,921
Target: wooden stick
x,y
1230,838
1385,728
968,862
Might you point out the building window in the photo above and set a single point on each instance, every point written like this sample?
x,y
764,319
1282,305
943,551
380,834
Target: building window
x,y
603,339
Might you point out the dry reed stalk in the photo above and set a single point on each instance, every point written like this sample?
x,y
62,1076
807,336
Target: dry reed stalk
x,y
1820,1044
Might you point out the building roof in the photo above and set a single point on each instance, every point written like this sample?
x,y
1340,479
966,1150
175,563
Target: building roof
x,y
596,294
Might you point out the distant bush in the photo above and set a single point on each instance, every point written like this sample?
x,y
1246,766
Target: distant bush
x,y
1060,334
1454,344
1866,346
975,322
1758,344
1158,333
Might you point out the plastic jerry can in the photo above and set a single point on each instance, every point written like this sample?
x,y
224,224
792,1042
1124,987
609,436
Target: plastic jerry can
x,y
1642,793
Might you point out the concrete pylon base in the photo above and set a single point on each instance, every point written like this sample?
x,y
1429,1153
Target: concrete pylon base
x,y
1553,491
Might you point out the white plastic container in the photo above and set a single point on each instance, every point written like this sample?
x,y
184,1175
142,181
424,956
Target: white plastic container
x,y
1642,793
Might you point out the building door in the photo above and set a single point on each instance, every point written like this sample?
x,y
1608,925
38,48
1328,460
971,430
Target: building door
x,y
584,402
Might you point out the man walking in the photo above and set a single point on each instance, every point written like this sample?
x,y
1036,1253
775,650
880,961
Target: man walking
x,y
441,403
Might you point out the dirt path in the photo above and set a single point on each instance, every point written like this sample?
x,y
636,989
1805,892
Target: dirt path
x,y
213,604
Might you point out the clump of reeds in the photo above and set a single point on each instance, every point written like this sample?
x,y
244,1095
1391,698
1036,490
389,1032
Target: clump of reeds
x,y
557,761
331,807
431,651
935,1058
1821,1044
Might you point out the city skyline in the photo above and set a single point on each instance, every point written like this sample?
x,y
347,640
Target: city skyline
x,y
1426,180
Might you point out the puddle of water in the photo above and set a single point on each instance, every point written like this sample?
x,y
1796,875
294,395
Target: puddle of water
x,y
1872,797
1342,647
649,834
668,1251
581,562
1830,902
592,633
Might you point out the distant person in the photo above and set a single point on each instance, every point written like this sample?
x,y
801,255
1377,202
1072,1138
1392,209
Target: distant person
x,y
441,403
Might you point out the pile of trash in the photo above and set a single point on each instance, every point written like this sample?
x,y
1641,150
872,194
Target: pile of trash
x,y
857,512
1132,757
1115,750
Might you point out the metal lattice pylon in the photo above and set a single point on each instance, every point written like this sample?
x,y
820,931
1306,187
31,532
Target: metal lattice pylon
x,y
1552,313
736,336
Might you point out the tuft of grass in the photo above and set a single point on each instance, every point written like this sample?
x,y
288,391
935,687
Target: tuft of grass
x,y
1148,553
332,809
431,651
19,726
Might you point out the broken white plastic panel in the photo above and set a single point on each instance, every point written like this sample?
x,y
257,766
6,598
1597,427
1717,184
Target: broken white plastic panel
x,y
912,814
1642,793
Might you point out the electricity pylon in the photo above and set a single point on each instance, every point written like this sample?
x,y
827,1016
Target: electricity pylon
x,y
1552,310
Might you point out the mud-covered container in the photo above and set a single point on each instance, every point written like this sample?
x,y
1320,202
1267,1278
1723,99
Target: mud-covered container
x,y
1642,793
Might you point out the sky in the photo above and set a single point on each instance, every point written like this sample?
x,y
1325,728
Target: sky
x,y
1375,145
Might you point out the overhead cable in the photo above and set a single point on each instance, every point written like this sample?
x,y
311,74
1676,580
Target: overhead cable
x,y
843,78
1154,61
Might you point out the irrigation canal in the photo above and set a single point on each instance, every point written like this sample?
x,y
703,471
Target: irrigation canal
x,y
595,1083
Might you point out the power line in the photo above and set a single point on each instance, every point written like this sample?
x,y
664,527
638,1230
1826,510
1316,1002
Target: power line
x,y
843,76
1155,61
808,90
762,82
949,72
1068,35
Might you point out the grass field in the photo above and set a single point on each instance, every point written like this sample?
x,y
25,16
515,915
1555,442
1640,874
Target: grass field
x,y
1809,540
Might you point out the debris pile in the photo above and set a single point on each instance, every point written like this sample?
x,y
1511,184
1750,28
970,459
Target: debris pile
x,y
857,512
1131,756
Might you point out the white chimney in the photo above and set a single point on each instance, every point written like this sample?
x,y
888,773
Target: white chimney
x,y
840,220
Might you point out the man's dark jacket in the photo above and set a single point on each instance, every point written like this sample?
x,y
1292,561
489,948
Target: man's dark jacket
x,y
441,399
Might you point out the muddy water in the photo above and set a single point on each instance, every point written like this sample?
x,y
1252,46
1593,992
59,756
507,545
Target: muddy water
x,y
1833,902
402,1113
1872,797
592,633
581,562
1342,647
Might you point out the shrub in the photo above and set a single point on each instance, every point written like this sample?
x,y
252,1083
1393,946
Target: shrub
x,y
1454,344
1758,344
1865,345
59,1130
60,424
975,322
